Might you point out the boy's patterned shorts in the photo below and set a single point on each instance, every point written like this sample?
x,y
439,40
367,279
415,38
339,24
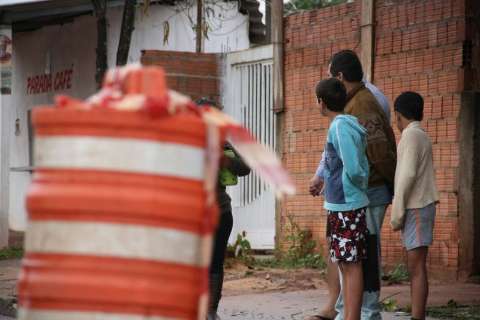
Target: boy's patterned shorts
x,y
348,232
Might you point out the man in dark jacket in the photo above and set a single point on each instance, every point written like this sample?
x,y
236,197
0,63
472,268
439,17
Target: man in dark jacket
x,y
232,162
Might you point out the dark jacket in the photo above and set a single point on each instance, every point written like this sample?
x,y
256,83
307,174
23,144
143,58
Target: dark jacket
x,y
238,168
381,146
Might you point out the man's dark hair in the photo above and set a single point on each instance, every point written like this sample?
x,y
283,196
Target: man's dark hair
x,y
410,105
348,63
333,93
206,101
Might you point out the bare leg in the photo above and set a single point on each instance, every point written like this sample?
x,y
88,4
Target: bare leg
x,y
333,283
417,261
352,278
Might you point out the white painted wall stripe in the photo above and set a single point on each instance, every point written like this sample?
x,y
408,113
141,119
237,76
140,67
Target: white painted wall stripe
x,y
125,155
29,314
118,240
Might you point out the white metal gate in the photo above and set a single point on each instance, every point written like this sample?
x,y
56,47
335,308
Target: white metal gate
x,y
248,97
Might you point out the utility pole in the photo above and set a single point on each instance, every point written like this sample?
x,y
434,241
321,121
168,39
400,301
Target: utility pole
x,y
199,25
276,33
367,37
277,41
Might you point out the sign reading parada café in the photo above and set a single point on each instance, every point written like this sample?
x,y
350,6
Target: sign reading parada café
x,y
43,83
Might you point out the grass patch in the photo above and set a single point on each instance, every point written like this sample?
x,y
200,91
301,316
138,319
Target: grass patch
x,y
397,275
454,311
11,253
311,260
300,253
451,311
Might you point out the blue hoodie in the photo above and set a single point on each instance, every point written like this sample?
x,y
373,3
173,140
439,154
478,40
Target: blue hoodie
x,y
346,165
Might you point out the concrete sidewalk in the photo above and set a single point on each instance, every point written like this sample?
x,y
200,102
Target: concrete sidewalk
x,y
278,306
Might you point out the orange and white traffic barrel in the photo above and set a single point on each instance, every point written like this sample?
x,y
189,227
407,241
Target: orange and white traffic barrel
x,y
119,227
122,203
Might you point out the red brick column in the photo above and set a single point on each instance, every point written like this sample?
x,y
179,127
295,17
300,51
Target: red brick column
x,y
191,73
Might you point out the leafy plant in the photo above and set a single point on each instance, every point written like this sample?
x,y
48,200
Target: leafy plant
x,y
11,253
242,249
389,305
301,251
453,310
294,6
397,275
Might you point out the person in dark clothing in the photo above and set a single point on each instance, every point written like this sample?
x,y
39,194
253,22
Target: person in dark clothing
x,y
232,162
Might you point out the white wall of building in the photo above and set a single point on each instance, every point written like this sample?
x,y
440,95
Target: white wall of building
x,y
46,51
229,30
71,46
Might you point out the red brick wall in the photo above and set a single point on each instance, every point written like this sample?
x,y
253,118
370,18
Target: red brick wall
x,y
310,40
193,74
418,47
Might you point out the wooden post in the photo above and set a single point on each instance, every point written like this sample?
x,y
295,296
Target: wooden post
x,y
199,25
276,33
277,41
367,38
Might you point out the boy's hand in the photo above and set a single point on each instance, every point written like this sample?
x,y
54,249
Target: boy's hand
x,y
396,226
316,186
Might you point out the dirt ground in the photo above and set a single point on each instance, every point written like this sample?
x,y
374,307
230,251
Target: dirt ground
x,y
242,280
294,292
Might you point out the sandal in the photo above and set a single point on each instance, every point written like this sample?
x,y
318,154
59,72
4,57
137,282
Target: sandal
x,y
318,317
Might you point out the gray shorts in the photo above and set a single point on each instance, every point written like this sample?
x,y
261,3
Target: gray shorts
x,y
418,228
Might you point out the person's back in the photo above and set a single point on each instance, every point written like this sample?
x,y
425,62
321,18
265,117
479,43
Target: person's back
x,y
381,153
381,139
346,167
414,204
415,177
346,180
380,97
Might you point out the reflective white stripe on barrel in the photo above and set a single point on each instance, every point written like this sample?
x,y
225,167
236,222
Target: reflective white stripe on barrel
x,y
125,154
118,240
78,315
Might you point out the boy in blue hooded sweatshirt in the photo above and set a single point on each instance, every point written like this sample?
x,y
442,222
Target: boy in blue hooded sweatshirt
x,y
346,180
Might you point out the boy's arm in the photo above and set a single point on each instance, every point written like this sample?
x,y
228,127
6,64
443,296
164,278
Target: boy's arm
x,y
349,154
316,182
321,167
407,162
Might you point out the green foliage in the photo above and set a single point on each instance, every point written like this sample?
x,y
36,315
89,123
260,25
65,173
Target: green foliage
x,y
389,305
397,275
11,253
300,253
294,6
242,249
452,310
